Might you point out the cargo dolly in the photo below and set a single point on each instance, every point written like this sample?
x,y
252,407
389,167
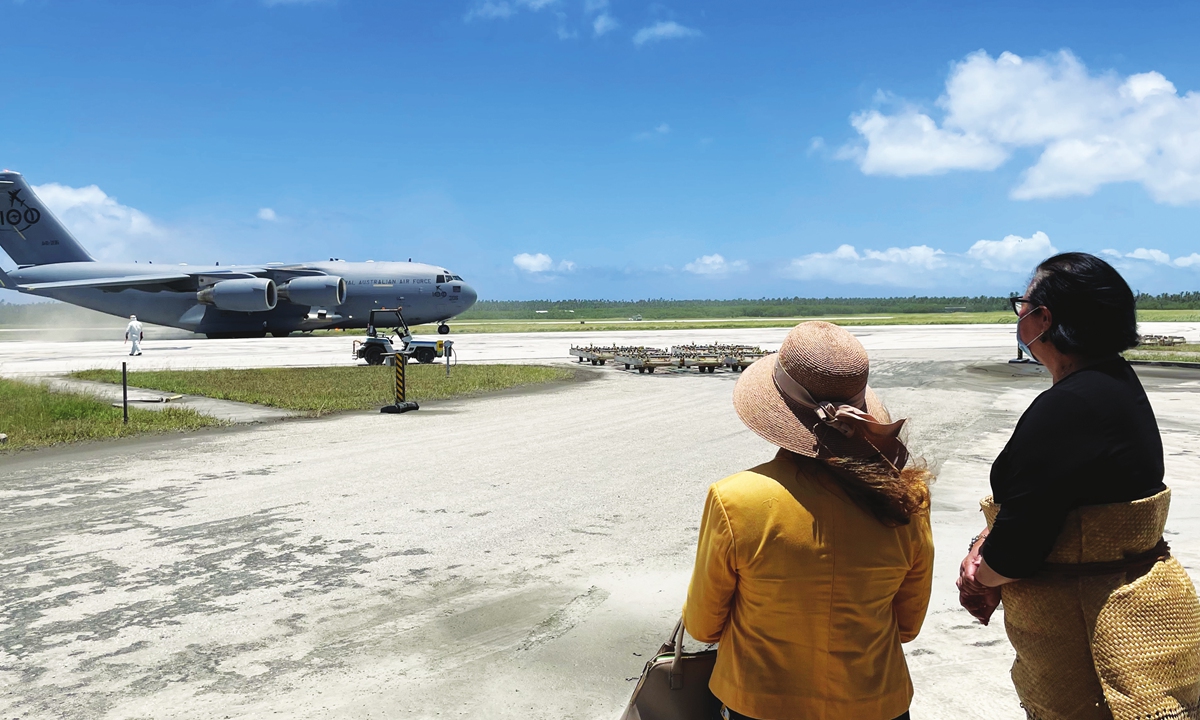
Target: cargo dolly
x,y
1161,340
645,360
593,354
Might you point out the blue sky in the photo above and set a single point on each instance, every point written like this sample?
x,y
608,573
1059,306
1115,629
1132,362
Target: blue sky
x,y
620,149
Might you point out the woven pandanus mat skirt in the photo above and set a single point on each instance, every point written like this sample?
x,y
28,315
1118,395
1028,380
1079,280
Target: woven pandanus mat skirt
x,y
1121,645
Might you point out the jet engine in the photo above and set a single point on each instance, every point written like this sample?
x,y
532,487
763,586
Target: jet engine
x,y
314,290
241,295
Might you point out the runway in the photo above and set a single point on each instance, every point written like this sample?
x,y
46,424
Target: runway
x,y
42,357
518,555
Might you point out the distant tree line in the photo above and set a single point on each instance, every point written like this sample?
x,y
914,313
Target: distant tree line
x,y
766,307
1169,301
770,307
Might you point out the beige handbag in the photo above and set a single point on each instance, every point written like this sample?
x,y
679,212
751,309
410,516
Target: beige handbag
x,y
674,685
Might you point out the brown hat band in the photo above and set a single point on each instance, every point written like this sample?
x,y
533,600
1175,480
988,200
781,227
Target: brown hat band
x,y
847,417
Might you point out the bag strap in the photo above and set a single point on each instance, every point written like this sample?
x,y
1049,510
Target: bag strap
x,y
677,662
1132,563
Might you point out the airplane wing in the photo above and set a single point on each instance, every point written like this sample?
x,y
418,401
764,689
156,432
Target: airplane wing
x,y
110,282
197,279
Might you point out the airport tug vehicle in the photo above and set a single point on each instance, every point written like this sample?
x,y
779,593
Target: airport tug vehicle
x,y
378,347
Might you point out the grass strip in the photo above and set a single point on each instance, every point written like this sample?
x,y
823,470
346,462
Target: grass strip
x,y
33,416
321,390
1165,353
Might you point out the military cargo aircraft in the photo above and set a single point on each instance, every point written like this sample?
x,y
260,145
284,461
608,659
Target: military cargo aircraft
x,y
217,300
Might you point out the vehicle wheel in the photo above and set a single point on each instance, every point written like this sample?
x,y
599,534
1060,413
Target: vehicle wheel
x,y
425,355
443,329
601,362
641,371
280,333
626,366
373,355
650,370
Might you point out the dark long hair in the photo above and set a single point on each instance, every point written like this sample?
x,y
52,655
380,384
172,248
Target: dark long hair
x,y
875,486
1092,310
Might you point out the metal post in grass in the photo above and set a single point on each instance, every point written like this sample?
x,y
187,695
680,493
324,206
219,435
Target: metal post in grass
x,y
125,392
400,404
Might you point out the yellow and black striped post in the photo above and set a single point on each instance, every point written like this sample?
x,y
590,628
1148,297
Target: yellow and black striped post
x,y
401,363
400,405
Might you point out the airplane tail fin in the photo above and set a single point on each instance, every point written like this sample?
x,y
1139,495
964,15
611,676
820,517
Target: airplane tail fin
x,y
29,232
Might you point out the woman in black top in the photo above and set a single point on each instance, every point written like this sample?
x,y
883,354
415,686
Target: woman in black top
x,y
1079,478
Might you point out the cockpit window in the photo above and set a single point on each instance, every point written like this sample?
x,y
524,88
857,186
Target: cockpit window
x,y
440,279
457,278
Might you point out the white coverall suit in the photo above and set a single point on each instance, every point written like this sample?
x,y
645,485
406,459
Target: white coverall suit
x,y
133,334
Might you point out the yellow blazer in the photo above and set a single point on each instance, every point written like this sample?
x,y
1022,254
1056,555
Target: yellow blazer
x,y
809,595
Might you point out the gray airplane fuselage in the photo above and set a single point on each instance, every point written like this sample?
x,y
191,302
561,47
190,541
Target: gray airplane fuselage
x,y
218,300
408,285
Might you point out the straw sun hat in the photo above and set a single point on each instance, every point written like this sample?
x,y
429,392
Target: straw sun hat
x,y
812,398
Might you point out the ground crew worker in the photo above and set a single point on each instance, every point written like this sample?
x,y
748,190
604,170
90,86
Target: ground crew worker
x,y
134,335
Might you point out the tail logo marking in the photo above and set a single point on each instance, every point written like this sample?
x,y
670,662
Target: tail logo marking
x,y
19,220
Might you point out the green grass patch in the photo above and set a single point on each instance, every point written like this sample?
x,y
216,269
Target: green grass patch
x,y
1168,315
1165,353
321,390
33,416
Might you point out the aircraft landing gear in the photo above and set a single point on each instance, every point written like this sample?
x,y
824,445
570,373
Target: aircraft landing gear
x,y
443,329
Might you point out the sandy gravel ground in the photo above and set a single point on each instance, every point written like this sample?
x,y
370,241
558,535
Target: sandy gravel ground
x,y
512,556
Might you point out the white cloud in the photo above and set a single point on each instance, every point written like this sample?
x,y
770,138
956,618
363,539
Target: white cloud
x,y
604,24
910,143
490,11
1157,256
714,265
1154,257
664,30
108,229
903,267
541,263
1090,129
658,131
994,264
1014,253
533,263
267,214
562,31
503,9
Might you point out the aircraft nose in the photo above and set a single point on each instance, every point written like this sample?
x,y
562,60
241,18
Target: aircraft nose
x,y
468,296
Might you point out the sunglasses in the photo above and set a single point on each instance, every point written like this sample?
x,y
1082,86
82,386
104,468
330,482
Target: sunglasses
x,y
1020,304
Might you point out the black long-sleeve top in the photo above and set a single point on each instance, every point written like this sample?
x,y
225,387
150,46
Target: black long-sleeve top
x,y
1091,439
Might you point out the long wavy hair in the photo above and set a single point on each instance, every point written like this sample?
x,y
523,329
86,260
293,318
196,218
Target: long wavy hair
x,y
874,486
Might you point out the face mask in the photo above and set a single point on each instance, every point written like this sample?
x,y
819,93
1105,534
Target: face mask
x,y
1021,343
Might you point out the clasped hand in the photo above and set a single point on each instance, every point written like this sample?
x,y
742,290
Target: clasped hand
x,y
978,599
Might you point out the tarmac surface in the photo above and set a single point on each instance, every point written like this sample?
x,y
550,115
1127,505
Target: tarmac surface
x,y
515,555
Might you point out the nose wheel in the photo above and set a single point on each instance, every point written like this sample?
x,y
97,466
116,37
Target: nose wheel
x,y
443,329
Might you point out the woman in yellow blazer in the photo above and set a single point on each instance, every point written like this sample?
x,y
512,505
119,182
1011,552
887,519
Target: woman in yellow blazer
x,y
813,568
